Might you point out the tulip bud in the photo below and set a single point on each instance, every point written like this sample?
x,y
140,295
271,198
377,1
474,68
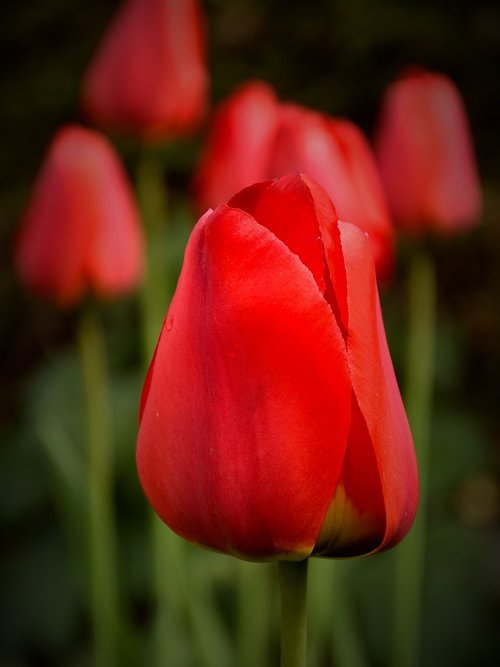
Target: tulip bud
x,y
425,153
238,150
271,424
81,228
336,154
148,76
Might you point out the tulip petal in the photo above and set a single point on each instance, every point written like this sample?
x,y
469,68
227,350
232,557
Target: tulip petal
x,y
110,199
286,208
246,412
355,521
300,213
377,394
53,239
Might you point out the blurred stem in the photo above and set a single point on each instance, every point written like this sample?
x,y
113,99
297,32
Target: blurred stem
x,y
157,288
347,647
420,361
169,583
102,530
212,642
254,601
332,621
293,587
167,556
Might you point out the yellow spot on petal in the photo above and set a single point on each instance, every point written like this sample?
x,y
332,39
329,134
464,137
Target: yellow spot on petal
x,y
346,531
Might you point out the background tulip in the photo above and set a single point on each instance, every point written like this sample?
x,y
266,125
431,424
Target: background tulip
x,y
425,154
148,75
426,159
338,156
239,148
81,229
254,137
263,433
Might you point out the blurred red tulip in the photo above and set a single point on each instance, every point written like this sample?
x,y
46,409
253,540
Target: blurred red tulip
x,y
271,421
239,148
254,137
81,228
425,153
336,154
148,76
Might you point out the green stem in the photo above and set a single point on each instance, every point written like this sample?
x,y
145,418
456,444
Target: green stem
x,y
157,289
169,582
166,548
293,587
254,600
419,397
102,538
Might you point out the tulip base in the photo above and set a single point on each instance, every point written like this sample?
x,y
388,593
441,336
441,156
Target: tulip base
x,y
293,589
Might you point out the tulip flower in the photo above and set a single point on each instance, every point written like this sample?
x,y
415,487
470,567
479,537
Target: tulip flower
x,y
425,153
239,148
254,137
148,75
81,228
336,154
271,424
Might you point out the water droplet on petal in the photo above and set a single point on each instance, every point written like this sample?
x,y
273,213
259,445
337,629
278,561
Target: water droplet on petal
x,y
170,322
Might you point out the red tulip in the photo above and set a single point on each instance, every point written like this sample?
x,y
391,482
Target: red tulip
x,y
239,148
426,157
254,137
271,423
148,75
81,228
337,155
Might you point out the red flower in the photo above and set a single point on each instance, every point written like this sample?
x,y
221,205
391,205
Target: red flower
x,y
271,422
148,75
254,137
81,228
336,154
425,154
239,148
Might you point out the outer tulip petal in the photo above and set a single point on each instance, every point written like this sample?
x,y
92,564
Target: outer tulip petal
x,y
246,412
355,521
115,260
300,213
50,256
381,416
